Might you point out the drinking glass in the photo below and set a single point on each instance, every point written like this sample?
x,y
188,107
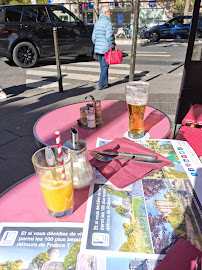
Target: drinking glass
x,y
136,99
57,191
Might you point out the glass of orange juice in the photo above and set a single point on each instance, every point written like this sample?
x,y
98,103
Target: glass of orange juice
x,y
58,191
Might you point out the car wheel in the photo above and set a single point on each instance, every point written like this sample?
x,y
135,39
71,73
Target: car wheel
x,y
25,55
154,36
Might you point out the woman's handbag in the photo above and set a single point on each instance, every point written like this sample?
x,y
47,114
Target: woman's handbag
x,y
113,57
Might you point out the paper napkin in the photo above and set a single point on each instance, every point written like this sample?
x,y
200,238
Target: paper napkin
x,y
122,173
182,256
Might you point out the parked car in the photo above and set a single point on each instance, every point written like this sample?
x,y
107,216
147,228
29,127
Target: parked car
x,y
147,26
178,27
26,33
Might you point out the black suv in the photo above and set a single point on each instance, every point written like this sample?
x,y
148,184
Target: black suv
x,y
26,33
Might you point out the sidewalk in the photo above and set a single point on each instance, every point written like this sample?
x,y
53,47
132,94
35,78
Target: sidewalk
x,y
20,113
18,116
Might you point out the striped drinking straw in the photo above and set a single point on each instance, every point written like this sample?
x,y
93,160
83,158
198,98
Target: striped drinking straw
x,y
58,142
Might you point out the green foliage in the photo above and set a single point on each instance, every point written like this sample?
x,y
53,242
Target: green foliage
x,y
120,210
179,5
128,230
176,217
136,203
172,197
118,193
41,259
125,247
70,259
10,266
137,232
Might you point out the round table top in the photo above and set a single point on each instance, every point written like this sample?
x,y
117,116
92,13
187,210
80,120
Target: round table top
x,y
115,118
25,203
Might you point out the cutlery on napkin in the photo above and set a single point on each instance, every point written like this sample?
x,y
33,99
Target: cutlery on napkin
x,y
105,158
129,155
122,173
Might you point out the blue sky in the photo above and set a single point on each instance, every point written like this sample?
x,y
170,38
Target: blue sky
x,y
117,226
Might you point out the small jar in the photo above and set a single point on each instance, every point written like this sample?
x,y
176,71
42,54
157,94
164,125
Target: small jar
x,y
91,117
83,116
98,112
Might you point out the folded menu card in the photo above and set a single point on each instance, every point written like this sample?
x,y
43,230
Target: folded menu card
x,y
122,173
182,256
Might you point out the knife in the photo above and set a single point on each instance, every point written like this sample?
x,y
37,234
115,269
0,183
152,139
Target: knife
x,y
131,155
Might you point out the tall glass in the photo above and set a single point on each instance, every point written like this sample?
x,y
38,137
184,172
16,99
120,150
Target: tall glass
x,y
136,98
58,193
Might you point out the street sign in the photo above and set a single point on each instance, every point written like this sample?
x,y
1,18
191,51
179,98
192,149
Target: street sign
x,y
152,4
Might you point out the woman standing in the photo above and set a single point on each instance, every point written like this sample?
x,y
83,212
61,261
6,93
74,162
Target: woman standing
x,y
103,38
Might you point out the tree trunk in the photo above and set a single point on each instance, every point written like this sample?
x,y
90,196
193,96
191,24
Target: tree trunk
x,y
95,10
186,8
78,9
134,40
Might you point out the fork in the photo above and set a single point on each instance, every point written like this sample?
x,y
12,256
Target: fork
x,y
108,159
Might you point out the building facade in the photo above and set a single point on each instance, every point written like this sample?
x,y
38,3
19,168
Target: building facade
x,y
122,10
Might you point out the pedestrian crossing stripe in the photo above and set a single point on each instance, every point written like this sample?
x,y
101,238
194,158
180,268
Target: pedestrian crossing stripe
x,y
72,76
87,69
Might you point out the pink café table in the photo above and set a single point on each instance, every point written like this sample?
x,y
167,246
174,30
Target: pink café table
x,y
115,117
24,202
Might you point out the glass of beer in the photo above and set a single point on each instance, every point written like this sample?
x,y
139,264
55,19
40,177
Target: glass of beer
x,y
57,190
136,99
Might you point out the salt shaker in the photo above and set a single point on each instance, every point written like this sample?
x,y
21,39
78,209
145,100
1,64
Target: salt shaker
x,y
82,169
90,116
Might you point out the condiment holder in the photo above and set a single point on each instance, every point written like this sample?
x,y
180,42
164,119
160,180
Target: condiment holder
x,y
91,115
82,169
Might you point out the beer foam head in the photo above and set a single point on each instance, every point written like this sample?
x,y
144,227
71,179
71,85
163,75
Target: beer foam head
x,y
137,93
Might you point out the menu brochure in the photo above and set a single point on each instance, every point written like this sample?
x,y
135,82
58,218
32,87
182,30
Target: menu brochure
x,y
130,228
39,245
144,220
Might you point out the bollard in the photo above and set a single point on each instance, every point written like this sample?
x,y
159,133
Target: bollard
x,y
57,56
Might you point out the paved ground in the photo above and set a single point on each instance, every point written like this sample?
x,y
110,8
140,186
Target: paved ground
x,y
19,113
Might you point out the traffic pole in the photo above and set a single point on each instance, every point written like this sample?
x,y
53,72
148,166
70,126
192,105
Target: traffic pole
x,y
57,56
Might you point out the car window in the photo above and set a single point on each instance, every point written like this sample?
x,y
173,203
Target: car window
x,y
42,15
35,14
13,14
29,14
173,22
2,15
180,21
61,15
187,20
